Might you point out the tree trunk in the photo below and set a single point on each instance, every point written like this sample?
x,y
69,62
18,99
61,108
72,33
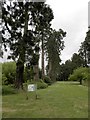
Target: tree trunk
x,y
36,72
80,81
49,70
20,65
43,73
85,58
19,75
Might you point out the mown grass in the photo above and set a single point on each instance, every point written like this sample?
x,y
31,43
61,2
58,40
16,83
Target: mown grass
x,y
61,100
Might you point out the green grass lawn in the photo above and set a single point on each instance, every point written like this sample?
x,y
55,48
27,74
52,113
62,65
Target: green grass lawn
x,y
61,100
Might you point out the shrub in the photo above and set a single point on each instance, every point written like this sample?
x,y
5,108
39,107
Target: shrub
x,y
86,79
47,80
72,77
80,74
9,72
4,79
7,89
40,84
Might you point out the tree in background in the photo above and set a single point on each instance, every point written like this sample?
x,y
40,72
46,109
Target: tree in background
x,y
65,70
42,16
81,74
84,50
54,45
77,60
43,24
70,65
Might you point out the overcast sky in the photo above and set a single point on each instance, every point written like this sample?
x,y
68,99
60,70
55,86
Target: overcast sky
x,y
89,13
72,17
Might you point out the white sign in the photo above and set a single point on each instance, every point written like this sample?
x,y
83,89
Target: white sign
x,y
88,65
31,87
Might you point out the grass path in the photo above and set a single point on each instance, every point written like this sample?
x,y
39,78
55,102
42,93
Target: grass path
x,y
61,100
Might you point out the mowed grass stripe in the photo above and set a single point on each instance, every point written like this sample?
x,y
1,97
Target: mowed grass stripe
x,y
61,100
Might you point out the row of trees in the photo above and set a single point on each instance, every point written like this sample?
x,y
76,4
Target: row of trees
x,y
82,59
70,65
26,25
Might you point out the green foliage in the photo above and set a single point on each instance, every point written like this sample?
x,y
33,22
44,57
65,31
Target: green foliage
x,y
8,89
40,84
54,45
72,77
28,73
77,60
84,50
81,74
24,22
65,70
47,80
70,65
8,72
4,79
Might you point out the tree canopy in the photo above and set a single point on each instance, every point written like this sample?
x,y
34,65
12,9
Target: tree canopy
x,y
84,50
22,23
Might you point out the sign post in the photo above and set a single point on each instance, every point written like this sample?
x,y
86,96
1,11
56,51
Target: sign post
x,y
33,87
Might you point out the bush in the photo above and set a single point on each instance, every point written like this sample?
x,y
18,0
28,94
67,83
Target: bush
x,y
4,79
7,89
80,74
86,79
72,77
47,80
9,72
40,84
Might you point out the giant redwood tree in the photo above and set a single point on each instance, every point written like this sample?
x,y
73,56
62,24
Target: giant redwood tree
x,y
54,45
22,22
44,16
16,35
